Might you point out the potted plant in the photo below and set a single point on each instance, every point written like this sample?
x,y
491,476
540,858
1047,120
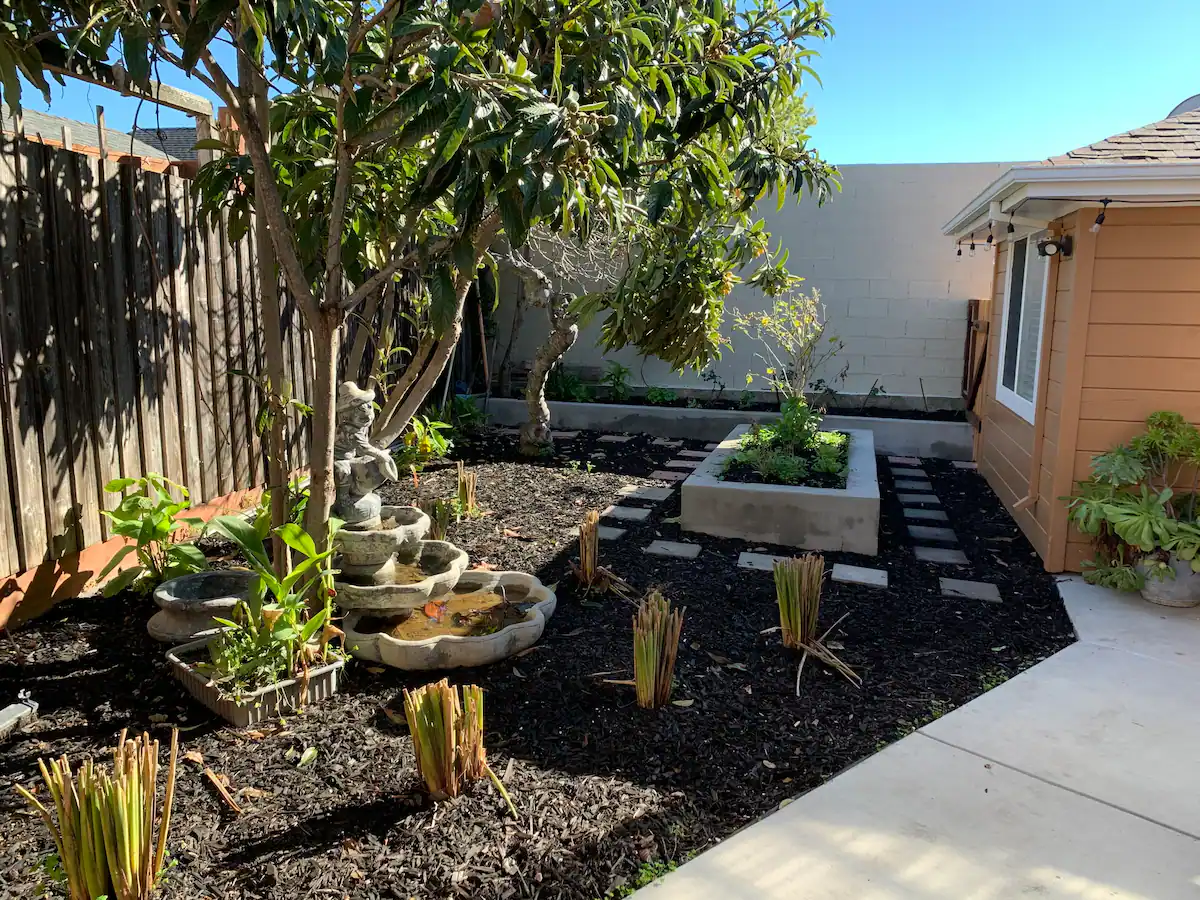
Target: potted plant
x,y
273,654
1140,508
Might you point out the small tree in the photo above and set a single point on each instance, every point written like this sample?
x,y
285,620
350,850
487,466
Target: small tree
x,y
412,134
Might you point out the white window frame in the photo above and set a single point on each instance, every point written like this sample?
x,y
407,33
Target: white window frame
x,y
1026,409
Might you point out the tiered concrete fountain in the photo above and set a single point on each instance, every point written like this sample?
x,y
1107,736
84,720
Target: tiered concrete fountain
x,y
410,602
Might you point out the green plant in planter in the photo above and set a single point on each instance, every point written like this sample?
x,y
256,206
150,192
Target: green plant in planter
x,y
423,442
564,385
1139,505
616,379
150,518
272,635
660,396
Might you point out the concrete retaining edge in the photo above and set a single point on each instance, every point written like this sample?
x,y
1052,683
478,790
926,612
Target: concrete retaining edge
x,y
893,437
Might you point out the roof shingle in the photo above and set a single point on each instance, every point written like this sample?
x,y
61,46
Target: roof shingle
x,y
1173,140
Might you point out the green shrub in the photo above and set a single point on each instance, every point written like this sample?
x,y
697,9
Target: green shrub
x,y
659,396
564,385
616,379
150,518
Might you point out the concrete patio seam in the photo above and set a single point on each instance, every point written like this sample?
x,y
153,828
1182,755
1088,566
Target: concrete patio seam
x,y
1054,784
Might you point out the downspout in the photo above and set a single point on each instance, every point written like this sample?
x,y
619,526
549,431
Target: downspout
x,y
1039,415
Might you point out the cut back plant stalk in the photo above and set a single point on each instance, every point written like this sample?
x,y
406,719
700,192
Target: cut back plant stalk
x,y
798,584
104,824
467,482
447,734
656,629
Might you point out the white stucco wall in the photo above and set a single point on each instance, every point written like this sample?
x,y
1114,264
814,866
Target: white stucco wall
x,y
893,289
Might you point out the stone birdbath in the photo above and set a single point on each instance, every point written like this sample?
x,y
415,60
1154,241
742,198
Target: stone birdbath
x,y
190,602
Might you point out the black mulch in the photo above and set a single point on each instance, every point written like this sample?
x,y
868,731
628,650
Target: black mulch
x,y
602,786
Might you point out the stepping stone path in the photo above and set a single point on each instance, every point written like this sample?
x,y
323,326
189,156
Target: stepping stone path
x,y
932,533
931,515
510,431
972,590
616,438
663,442
904,467
674,548
683,464
711,446
564,435
645,492
663,475
965,465
941,555
631,513
919,498
603,532
763,562
694,454
860,575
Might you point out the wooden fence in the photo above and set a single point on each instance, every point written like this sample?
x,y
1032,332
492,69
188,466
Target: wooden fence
x,y
125,322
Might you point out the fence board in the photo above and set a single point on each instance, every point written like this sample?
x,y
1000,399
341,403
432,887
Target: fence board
x,y
163,317
220,356
231,311
97,328
251,335
119,314
141,300
65,253
181,347
25,524
206,411
45,284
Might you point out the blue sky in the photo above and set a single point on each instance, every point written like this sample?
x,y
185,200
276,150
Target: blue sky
x,y
940,81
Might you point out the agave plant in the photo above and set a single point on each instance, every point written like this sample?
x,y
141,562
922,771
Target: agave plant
x,y
447,734
656,629
104,824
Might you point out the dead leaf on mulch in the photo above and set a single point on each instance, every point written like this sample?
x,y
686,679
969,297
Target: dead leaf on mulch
x,y
194,756
482,566
683,703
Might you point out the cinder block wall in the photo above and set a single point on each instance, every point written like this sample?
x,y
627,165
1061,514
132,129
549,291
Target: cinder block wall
x,y
893,288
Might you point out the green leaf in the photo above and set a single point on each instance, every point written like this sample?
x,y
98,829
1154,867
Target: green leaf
x,y
116,560
122,581
117,485
444,300
307,757
243,534
297,538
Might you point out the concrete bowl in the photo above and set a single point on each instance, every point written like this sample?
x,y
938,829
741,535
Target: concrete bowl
x,y
190,602
455,651
370,555
441,559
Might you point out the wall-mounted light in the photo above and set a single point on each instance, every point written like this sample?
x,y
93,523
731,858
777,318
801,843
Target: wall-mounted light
x,y
1061,246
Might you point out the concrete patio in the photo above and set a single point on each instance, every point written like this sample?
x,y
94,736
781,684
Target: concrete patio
x,y
1076,779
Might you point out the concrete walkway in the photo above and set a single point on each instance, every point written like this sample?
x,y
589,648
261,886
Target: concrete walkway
x,y
1079,778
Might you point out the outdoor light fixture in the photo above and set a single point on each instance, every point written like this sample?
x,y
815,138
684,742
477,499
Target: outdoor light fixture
x,y
1056,246
1100,218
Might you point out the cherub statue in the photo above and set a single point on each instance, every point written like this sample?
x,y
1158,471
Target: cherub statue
x,y
358,466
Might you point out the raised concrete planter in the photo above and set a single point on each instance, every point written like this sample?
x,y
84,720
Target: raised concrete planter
x,y
457,651
895,437
812,518
284,697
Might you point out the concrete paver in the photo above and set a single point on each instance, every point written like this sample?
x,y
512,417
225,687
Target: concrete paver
x,y
860,575
645,492
972,590
674,548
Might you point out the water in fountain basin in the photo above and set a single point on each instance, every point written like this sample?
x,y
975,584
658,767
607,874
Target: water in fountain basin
x,y
464,613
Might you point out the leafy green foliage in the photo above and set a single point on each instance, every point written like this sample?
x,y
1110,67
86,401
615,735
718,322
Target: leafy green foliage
x,y
463,415
149,516
423,442
297,503
661,396
793,450
1140,503
616,379
793,341
564,385
271,636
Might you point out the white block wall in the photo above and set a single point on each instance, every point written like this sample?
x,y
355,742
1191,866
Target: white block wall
x,y
893,289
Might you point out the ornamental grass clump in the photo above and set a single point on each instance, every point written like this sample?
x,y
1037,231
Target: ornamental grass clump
x,y
465,501
447,734
104,824
588,570
798,584
439,511
656,629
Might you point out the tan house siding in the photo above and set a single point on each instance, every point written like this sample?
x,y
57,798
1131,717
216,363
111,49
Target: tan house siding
x,y
1143,333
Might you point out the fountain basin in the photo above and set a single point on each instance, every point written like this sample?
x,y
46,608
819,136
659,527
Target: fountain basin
x,y
441,564
190,602
370,556
368,637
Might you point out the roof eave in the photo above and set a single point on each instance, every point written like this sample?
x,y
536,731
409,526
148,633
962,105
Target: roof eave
x,y
1090,182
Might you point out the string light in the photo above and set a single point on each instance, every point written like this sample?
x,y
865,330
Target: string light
x,y
1100,218
990,238
959,253
972,245
1011,228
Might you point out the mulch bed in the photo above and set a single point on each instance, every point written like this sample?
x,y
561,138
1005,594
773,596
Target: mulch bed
x,y
603,787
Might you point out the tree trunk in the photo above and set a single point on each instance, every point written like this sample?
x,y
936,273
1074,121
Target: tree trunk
x,y
268,274
564,329
504,376
320,458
